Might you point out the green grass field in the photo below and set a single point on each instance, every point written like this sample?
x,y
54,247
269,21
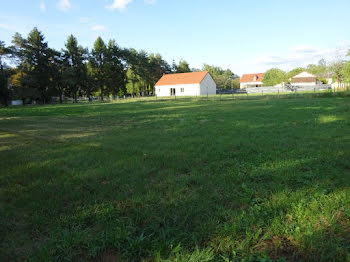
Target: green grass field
x,y
244,180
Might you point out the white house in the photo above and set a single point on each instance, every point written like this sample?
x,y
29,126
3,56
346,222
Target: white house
x,y
304,79
186,84
251,80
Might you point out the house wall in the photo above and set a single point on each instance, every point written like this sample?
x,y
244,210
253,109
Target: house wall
x,y
250,84
208,86
304,84
189,90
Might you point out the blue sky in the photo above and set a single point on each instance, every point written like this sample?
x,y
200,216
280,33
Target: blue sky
x,y
246,36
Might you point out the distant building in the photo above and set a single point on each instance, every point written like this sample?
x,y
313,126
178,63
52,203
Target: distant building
x,y
251,80
304,79
186,84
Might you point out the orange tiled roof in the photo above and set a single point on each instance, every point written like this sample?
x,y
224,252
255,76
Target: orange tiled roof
x,y
182,78
250,77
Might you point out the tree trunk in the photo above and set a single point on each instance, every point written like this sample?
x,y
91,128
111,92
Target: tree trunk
x,y
60,95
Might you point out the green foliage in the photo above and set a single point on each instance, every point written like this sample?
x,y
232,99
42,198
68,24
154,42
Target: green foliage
x,y
274,77
75,70
34,56
346,72
144,70
113,182
223,78
4,90
97,64
323,80
183,67
295,72
337,68
320,70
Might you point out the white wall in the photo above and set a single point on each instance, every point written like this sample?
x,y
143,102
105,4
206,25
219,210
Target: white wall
x,y
249,84
304,84
207,86
189,90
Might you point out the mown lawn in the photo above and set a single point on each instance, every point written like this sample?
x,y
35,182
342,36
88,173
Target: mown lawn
x,y
252,180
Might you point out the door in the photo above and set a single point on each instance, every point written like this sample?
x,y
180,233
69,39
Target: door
x,y
172,91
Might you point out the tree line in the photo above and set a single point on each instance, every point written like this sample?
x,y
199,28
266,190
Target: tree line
x,y
40,73
338,71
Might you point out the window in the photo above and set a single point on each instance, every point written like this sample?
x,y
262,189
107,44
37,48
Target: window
x,y
182,90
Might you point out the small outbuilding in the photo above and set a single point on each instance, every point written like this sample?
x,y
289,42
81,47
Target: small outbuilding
x,y
305,79
186,84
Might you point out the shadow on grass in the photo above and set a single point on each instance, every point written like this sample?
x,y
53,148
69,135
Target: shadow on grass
x,y
130,181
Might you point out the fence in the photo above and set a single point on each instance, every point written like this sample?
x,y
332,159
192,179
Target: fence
x,y
286,89
232,94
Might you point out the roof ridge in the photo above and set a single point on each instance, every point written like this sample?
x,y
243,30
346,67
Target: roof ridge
x,y
182,78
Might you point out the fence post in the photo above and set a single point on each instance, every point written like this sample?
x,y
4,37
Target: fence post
x,y
278,93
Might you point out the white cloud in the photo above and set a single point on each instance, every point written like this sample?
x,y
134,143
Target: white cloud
x,y
64,5
42,6
5,26
303,49
98,28
294,57
120,5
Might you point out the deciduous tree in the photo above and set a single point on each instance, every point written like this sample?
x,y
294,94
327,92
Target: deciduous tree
x,y
274,77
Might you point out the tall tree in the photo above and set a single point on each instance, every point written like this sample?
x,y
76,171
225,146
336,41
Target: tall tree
x,y
75,57
115,75
157,67
223,78
338,70
34,54
4,90
183,67
58,73
97,64
346,70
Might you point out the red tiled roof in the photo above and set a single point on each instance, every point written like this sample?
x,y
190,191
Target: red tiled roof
x,y
182,78
250,77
